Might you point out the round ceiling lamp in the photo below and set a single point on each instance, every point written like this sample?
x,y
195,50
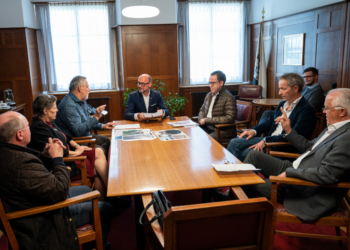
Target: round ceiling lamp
x,y
140,11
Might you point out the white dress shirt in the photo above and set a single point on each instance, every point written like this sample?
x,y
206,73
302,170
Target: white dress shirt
x,y
331,129
146,99
209,115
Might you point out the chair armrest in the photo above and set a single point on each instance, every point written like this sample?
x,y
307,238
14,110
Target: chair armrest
x,y
37,210
230,124
277,144
194,118
86,141
295,181
82,137
74,158
284,154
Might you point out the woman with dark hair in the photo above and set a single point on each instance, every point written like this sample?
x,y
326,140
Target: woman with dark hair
x,y
43,127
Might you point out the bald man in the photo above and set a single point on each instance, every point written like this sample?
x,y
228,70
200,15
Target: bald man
x,y
30,179
144,100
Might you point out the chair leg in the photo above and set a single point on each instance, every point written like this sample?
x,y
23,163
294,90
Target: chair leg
x,y
337,231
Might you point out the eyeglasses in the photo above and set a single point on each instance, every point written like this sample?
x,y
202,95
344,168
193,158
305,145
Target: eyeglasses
x,y
325,108
142,84
212,83
308,76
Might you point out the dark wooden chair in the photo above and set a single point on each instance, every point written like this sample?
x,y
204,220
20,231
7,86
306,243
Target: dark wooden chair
x,y
85,140
337,219
83,174
86,233
243,117
249,92
239,224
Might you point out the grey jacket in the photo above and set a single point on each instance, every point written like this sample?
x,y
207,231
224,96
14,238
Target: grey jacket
x,y
224,111
328,163
314,96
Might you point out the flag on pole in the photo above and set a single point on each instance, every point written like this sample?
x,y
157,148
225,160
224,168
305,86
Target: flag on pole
x,y
260,65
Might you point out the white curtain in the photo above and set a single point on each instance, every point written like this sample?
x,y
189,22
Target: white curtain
x,y
81,43
216,40
112,22
46,57
246,41
184,38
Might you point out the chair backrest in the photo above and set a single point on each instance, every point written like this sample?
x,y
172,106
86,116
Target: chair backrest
x,y
239,223
249,91
317,128
244,110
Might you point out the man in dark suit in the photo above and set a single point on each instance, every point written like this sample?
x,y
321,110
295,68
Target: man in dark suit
x,y
144,100
300,112
313,92
325,161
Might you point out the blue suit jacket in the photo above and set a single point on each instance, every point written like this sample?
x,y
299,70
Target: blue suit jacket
x,y
136,104
302,120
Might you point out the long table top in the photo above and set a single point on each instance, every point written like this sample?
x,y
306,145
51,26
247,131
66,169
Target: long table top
x,y
141,167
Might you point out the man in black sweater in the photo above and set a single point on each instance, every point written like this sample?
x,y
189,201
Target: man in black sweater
x,y
313,91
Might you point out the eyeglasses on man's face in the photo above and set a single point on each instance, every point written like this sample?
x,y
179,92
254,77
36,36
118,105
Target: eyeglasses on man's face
x,y
142,84
212,83
305,77
325,108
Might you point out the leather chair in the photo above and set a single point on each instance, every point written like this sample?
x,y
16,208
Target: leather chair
x,y
243,117
249,92
85,233
239,224
337,219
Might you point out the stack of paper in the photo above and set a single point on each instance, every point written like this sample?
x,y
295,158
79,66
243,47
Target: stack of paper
x,y
159,113
233,167
127,126
182,123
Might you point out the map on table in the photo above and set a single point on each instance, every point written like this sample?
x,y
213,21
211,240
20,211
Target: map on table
x,y
137,135
171,135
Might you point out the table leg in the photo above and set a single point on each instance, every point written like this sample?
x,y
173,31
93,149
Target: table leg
x,y
140,230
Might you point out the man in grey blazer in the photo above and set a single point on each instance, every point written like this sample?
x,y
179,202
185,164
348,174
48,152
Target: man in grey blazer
x,y
326,160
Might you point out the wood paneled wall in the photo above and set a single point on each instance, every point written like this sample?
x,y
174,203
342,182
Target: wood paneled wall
x,y
19,65
150,49
325,35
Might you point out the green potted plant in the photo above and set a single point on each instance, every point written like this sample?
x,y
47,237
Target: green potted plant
x,y
173,102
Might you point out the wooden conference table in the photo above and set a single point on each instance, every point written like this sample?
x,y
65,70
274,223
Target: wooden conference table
x,y
142,167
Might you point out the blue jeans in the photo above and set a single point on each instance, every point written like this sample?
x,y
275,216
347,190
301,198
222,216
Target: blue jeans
x,y
240,147
82,212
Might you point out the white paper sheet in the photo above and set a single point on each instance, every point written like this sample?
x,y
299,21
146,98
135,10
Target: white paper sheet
x,y
127,126
233,167
159,113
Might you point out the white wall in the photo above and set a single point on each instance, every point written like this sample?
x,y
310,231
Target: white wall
x,y
167,12
11,14
28,14
279,8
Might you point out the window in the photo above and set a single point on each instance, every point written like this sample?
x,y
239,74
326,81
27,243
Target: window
x,y
216,40
80,40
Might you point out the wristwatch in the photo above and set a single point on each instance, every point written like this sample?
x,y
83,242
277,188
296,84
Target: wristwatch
x,y
264,140
75,147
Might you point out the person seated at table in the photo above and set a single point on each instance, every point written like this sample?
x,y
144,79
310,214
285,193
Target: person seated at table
x,y
313,92
144,100
43,127
30,178
324,161
219,107
74,117
300,112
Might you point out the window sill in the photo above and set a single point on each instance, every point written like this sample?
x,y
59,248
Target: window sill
x,y
206,85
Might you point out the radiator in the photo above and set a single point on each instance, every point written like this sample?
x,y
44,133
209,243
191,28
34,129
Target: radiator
x,y
198,99
96,102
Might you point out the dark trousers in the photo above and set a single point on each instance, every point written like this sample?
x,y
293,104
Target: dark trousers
x,y
102,142
269,166
82,212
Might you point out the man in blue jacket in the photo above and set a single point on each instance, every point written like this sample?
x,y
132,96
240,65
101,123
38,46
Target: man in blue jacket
x,y
144,100
301,114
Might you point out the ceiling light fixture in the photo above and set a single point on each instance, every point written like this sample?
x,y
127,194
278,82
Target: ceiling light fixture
x,y
140,11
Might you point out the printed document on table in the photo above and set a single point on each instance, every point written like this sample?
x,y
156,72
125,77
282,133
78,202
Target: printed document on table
x,y
159,113
137,135
233,167
127,126
171,135
182,123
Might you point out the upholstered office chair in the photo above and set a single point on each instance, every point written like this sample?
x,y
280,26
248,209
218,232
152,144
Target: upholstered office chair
x,y
337,219
243,117
249,92
239,224
86,233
